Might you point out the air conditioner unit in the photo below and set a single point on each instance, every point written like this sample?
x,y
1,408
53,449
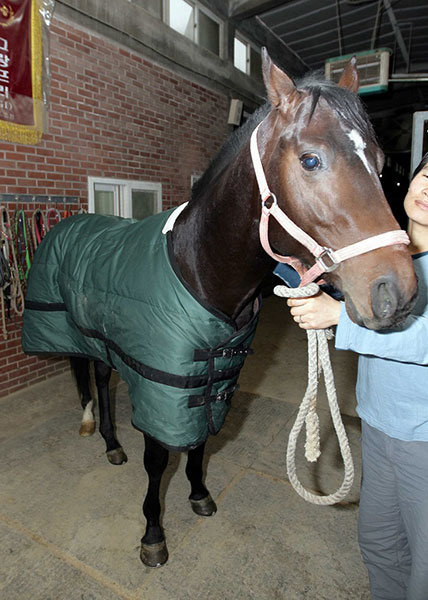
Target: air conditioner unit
x,y
373,69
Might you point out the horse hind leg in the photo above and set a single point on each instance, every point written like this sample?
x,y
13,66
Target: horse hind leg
x,y
200,499
80,369
154,552
114,451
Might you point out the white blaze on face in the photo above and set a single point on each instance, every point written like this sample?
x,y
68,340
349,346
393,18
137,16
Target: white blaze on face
x,y
359,144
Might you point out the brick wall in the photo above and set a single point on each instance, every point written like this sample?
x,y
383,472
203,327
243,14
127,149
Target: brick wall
x,y
113,114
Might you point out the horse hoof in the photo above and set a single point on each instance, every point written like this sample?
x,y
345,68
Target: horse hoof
x,y
117,456
205,507
87,428
154,555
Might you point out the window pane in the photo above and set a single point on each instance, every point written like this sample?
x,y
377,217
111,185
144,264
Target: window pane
x,y
181,17
209,33
240,55
144,204
104,200
255,64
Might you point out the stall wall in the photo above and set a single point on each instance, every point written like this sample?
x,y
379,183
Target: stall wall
x,y
113,114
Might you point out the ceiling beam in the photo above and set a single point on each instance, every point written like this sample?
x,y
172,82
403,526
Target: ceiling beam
x,y
397,32
244,9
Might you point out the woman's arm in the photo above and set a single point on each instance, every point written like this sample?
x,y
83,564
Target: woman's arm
x,y
408,343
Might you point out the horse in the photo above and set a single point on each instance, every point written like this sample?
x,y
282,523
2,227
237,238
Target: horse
x,y
315,148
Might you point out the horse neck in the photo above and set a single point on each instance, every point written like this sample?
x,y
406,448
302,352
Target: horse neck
x,y
216,240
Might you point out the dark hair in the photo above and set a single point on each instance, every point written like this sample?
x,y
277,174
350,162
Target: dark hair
x,y
229,150
421,165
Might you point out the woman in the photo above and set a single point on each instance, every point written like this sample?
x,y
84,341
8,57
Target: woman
x,y
392,396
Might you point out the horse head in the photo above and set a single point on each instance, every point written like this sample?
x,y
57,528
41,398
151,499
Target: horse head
x,y
321,159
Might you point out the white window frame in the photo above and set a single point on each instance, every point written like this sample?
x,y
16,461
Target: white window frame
x,y
123,193
419,119
197,7
248,46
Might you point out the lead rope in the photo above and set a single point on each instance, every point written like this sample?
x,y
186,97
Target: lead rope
x,y
5,278
326,260
16,295
318,362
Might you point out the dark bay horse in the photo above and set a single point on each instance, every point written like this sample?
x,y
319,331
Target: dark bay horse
x,y
321,159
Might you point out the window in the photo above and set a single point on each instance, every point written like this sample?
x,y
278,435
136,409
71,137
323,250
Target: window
x,y
195,22
209,33
124,198
246,58
182,17
240,58
419,138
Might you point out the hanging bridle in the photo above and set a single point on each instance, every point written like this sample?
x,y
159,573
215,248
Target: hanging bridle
x,y
326,259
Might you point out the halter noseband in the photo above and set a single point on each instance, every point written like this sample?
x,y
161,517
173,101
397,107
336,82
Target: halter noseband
x,y
326,259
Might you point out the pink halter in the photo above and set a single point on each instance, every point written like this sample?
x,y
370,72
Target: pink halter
x,y
326,259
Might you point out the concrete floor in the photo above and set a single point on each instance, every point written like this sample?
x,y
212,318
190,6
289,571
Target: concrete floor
x,y
71,523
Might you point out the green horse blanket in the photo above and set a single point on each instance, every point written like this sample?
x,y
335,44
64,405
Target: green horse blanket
x,y
109,289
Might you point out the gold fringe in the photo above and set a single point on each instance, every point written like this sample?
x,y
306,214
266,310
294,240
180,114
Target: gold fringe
x,y
37,65
19,134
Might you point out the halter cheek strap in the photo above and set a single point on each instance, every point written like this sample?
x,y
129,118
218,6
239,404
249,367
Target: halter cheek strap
x,y
326,259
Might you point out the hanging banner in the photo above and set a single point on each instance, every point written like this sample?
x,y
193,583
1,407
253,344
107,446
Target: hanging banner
x,y
23,69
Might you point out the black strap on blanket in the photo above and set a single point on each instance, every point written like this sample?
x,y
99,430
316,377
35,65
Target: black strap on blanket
x,y
201,354
206,381
208,398
220,397
146,371
45,306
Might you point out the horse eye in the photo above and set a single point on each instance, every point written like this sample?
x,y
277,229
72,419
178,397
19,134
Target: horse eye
x,y
310,162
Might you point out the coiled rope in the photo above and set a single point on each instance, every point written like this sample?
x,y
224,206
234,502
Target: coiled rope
x,y
318,362
5,277
12,293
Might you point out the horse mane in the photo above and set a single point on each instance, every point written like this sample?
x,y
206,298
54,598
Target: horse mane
x,y
229,150
345,103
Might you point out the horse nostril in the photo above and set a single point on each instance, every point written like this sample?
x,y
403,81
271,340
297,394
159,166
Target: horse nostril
x,y
384,298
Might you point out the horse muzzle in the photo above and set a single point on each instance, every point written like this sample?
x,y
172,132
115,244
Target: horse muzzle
x,y
389,302
385,298
390,307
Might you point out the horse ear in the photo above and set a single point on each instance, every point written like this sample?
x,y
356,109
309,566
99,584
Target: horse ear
x,y
278,85
350,78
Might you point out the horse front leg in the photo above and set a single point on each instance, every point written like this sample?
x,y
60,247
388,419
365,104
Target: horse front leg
x,y
80,368
200,498
114,451
154,552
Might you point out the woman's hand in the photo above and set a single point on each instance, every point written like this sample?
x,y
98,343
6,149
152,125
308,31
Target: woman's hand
x,y
317,312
